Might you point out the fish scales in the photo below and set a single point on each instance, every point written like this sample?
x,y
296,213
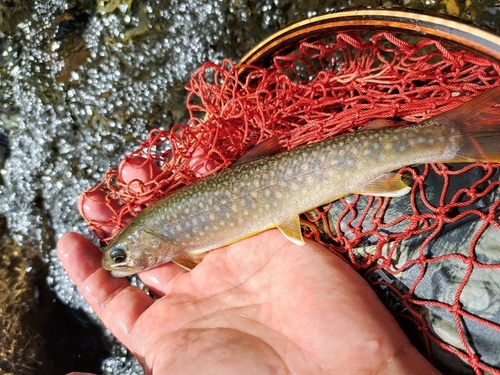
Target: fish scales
x,y
249,198
264,192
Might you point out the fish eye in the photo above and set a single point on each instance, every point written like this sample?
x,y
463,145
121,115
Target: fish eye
x,y
117,254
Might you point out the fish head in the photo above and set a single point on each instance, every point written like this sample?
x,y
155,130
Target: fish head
x,y
136,249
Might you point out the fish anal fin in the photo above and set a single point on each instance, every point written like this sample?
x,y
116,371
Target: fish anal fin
x,y
269,147
478,124
188,260
387,185
290,227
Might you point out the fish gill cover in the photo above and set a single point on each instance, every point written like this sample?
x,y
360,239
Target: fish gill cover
x,y
442,231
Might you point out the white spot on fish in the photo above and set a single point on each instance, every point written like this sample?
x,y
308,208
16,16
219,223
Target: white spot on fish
x,y
278,194
267,193
402,148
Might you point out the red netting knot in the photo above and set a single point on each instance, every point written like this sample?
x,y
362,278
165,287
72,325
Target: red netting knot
x,y
418,178
441,212
469,260
474,360
442,170
471,193
456,308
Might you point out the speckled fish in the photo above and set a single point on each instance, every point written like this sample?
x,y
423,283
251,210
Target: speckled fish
x,y
272,191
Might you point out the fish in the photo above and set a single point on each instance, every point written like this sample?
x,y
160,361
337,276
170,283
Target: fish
x,y
272,189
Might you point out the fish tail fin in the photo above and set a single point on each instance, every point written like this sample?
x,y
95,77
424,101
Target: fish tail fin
x,y
478,121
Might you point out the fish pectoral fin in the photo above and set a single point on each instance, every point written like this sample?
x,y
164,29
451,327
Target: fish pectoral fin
x,y
290,227
269,147
188,260
387,185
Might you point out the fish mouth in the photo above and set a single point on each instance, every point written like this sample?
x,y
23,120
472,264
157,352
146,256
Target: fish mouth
x,y
116,273
123,272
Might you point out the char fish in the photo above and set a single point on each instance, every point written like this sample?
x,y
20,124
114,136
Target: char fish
x,y
271,192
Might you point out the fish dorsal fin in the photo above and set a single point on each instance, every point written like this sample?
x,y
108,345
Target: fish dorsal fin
x,y
387,185
269,147
290,227
376,124
188,260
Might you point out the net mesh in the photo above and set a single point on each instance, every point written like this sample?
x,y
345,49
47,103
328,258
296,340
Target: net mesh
x,y
406,247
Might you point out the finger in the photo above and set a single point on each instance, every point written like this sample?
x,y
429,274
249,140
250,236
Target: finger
x,y
118,304
161,280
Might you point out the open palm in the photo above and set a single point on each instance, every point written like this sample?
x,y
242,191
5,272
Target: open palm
x,y
262,305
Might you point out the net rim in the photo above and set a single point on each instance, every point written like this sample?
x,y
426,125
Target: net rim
x,y
425,24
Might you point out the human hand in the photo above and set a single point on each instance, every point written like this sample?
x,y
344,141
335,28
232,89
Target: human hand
x,y
262,305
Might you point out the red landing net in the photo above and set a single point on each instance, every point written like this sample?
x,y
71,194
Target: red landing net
x,y
404,246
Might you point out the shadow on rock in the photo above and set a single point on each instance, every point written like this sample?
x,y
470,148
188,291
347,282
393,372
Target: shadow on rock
x,y
38,333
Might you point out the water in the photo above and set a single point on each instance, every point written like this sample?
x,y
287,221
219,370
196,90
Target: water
x,y
83,82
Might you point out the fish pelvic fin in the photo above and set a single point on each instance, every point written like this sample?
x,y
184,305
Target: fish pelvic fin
x,y
387,185
188,260
290,227
478,122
